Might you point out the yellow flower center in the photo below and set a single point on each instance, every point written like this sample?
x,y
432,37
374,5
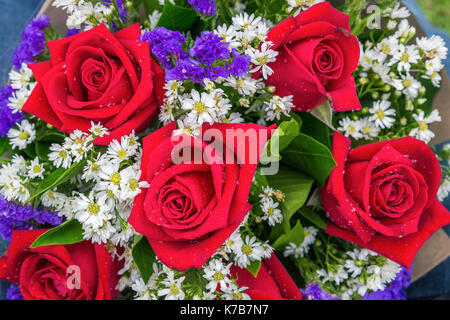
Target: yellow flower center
x,y
247,250
23,135
380,114
93,208
218,276
115,178
262,60
133,184
423,126
405,57
37,169
174,290
407,83
122,154
385,48
199,107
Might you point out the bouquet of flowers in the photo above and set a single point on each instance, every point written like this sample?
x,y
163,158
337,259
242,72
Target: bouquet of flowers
x,y
217,149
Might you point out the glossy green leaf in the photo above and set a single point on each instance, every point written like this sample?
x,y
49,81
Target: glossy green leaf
x,y
177,18
309,156
56,178
295,235
67,233
151,5
143,257
280,139
313,217
254,267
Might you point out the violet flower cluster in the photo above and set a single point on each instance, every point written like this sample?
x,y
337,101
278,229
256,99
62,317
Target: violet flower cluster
x,y
33,44
13,293
395,291
209,58
33,41
7,118
17,217
207,7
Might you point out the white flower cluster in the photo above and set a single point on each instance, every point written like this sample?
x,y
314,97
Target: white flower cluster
x,y
299,251
363,271
107,185
394,67
214,282
247,34
269,202
15,175
444,189
22,82
83,14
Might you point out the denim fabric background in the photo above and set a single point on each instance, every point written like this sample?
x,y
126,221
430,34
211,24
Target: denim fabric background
x,y
15,14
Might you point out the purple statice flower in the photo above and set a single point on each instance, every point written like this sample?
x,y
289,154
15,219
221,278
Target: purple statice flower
x,y
7,117
123,11
395,290
207,7
209,47
166,45
17,217
314,292
239,66
72,31
33,41
13,293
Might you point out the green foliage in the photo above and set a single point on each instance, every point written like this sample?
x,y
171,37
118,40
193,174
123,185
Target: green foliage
x,y
67,233
309,156
143,257
254,267
177,18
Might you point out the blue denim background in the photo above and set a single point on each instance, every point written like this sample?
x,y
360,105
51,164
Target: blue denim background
x,y
15,14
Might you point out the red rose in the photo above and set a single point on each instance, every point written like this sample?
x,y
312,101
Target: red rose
x,y
382,196
272,283
191,208
317,56
98,76
50,272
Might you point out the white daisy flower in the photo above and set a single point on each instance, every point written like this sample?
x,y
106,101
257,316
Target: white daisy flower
x,y
433,47
262,57
405,56
98,130
91,210
250,250
172,290
20,78
368,129
444,190
271,212
277,106
350,128
21,137
382,114
60,156
130,186
233,292
422,132
201,106
217,274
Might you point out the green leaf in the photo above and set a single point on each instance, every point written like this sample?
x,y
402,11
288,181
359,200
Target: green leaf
x,y
324,113
4,146
295,235
431,91
313,217
56,178
316,129
151,5
67,233
254,267
310,156
280,139
144,257
177,18
295,186
42,150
